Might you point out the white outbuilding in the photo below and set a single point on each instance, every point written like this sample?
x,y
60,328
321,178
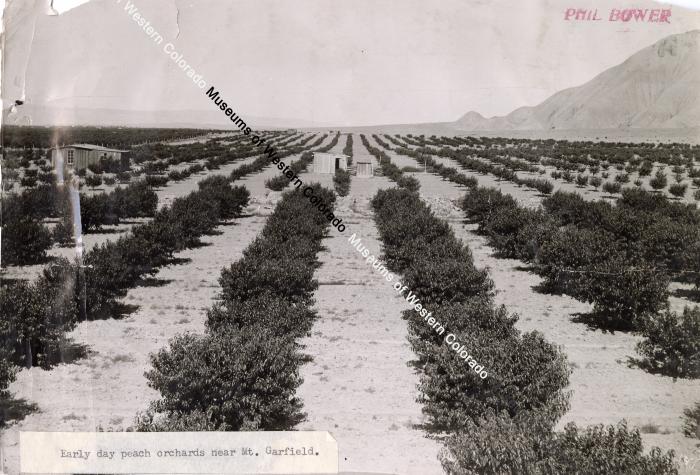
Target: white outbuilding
x,y
329,162
79,156
364,167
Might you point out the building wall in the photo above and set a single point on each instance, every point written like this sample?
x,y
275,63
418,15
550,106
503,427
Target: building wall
x,y
324,164
364,169
83,158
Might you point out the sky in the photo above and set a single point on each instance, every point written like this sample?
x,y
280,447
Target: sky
x,y
358,62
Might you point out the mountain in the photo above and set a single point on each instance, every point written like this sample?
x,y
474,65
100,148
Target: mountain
x,y
656,88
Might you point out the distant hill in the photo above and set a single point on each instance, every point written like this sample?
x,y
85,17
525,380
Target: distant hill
x,y
656,88
29,114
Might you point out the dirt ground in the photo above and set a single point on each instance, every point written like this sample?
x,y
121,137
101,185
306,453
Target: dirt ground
x,y
587,192
358,385
605,388
105,388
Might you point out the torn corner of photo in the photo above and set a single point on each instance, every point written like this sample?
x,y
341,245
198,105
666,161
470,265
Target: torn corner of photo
x,y
284,452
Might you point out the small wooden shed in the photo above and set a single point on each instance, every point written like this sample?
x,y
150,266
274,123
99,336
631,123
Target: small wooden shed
x,y
79,156
329,162
364,167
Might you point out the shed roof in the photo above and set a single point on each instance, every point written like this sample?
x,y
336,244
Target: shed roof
x,y
326,154
99,148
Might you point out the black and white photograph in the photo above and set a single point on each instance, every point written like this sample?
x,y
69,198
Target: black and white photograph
x,y
363,237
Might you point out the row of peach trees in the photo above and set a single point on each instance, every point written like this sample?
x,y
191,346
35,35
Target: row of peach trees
x,y
37,315
504,423
619,257
243,372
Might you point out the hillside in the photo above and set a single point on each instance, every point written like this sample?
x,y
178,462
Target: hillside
x,y
657,87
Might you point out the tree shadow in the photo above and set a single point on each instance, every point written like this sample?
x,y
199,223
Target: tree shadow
x,y
176,261
153,282
105,231
691,294
72,352
115,310
198,244
526,268
597,321
14,409
121,310
544,288
68,352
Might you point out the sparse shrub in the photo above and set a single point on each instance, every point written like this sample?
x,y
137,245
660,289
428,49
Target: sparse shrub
x,y
242,380
603,450
265,310
444,281
622,178
595,181
93,181
347,150
612,187
37,315
659,181
511,231
108,180
8,370
48,178
277,183
691,421
622,296
24,242
341,180
28,181
408,182
156,181
581,180
137,200
678,190
230,200
646,168
543,186
175,175
526,374
247,279
481,202
672,344
499,445
95,212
